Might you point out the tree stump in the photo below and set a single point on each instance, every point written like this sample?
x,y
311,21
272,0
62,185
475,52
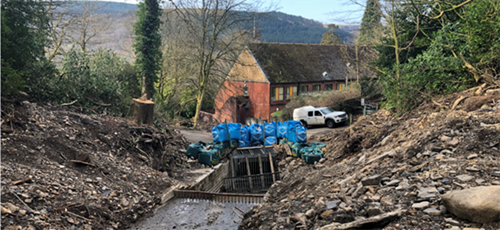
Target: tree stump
x,y
142,111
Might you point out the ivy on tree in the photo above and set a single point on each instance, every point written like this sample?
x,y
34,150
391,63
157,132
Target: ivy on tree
x,y
147,44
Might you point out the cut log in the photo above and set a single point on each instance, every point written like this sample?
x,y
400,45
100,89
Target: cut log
x,y
142,111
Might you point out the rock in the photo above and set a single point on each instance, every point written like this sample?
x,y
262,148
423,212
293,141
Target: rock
x,y
386,201
12,207
436,177
496,174
432,211
479,204
453,222
326,213
465,177
22,212
479,181
453,142
331,205
420,205
445,138
472,169
454,228
310,213
124,202
372,180
472,156
474,103
495,182
31,227
282,163
6,211
392,182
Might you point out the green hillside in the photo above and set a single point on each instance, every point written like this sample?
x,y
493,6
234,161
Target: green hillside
x,y
275,26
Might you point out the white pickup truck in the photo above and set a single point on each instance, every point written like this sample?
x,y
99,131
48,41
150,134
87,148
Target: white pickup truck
x,y
308,115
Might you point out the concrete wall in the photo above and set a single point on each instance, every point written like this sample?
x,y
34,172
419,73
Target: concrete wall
x,y
220,172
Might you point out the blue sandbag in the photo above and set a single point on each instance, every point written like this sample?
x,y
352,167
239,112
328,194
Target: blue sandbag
x,y
292,123
245,134
282,132
234,131
297,134
271,140
255,143
256,133
209,157
270,129
219,133
243,144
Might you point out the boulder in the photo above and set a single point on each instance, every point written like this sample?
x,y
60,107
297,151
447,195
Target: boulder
x,y
479,204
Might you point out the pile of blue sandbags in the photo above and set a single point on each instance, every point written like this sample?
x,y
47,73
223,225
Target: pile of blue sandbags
x,y
206,153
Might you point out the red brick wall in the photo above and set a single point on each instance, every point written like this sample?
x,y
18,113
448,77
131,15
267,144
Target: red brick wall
x,y
227,109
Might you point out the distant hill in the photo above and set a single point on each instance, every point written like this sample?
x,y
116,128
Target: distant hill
x,y
275,26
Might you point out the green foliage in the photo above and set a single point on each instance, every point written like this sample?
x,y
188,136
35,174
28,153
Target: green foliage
x,y
99,82
462,50
330,38
370,24
147,44
24,29
280,27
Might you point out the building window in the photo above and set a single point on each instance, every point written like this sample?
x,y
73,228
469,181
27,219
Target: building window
x,y
328,87
338,86
316,88
290,92
277,93
303,89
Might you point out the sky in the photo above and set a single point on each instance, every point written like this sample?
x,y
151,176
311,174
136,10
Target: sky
x,y
324,11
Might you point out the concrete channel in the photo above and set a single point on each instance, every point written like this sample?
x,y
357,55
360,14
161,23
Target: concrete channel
x,y
200,202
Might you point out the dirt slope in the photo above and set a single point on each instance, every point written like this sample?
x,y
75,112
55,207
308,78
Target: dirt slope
x,y
383,164
65,170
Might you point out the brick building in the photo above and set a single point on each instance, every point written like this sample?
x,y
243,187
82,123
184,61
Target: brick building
x,y
267,76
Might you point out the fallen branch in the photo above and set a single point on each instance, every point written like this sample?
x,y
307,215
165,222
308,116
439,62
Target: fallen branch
x,y
89,220
83,162
440,105
70,103
237,214
21,201
371,222
457,101
454,182
22,181
239,209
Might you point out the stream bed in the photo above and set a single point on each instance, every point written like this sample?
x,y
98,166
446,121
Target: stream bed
x,y
181,213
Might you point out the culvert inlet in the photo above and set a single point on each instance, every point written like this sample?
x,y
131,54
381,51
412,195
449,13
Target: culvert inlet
x,y
219,198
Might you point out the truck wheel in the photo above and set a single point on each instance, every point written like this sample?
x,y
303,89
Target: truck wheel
x,y
330,123
303,123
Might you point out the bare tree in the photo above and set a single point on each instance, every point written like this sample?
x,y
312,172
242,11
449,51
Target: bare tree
x,y
92,21
215,28
61,19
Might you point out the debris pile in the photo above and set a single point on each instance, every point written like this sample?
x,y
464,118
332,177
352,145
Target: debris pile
x,y
394,172
65,170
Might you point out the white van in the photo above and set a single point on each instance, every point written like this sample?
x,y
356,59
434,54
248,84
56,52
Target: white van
x,y
308,115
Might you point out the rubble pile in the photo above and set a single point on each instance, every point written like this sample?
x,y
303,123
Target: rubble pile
x,y
65,170
394,172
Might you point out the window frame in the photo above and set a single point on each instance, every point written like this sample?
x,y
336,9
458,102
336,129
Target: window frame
x,y
316,85
329,88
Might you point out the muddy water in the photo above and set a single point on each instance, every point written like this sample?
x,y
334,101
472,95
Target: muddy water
x,y
195,214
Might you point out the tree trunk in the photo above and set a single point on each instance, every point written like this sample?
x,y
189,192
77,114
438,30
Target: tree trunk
x,y
198,106
145,89
142,111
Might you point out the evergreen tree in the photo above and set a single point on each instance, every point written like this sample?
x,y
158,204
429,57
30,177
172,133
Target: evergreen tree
x,y
24,29
330,37
147,44
371,27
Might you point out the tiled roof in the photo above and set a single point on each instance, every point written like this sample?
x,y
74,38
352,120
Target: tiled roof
x,y
285,62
